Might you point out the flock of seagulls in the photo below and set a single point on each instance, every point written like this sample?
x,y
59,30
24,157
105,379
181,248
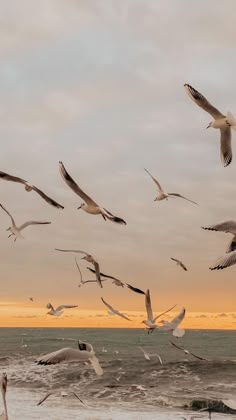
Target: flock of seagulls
x,y
85,352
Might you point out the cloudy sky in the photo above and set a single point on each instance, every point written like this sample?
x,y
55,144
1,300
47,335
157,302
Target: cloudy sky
x,y
99,85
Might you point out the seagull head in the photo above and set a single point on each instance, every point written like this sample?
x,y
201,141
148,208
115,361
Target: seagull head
x,y
28,187
80,207
8,229
209,125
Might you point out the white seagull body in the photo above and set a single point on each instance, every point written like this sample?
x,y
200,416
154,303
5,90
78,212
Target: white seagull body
x,y
89,206
178,262
16,230
85,353
4,391
29,187
222,122
113,311
173,325
162,195
226,227
89,258
61,394
150,322
59,310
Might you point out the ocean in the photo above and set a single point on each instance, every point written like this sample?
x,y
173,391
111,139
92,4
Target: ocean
x,y
131,387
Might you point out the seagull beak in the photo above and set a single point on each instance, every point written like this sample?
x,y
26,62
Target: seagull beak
x,y
208,126
155,199
79,207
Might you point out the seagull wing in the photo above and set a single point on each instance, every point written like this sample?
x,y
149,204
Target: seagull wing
x,y
97,272
64,355
225,146
71,250
135,289
76,396
174,259
181,196
26,224
45,397
59,308
160,359
201,101
175,345
49,200
163,313
226,227
197,357
155,180
225,262
178,319
108,306
102,274
148,306
7,177
77,265
12,220
183,266
72,184
114,310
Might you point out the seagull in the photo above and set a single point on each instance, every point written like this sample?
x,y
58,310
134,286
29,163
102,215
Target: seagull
x,y
226,227
187,351
150,322
225,262
222,122
118,282
164,195
193,417
31,298
89,206
16,230
29,187
59,310
61,394
23,345
68,354
113,311
4,416
179,263
147,355
172,325
88,258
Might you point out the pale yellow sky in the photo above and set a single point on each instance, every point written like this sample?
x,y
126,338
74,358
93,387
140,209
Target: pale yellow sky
x,y
99,85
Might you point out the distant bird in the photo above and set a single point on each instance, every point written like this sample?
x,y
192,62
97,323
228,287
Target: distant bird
x,y
225,262
193,417
23,345
90,207
187,351
150,322
179,263
31,298
222,122
61,394
148,355
226,227
29,187
4,416
118,282
173,325
59,310
89,258
104,350
72,355
16,230
113,311
164,195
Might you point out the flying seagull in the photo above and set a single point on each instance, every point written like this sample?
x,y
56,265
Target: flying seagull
x,y
31,298
89,258
85,353
82,282
59,310
16,230
113,311
179,263
173,325
61,394
148,355
4,391
226,227
164,195
150,322
29,187
187,351
222,122
225,262
89,206
118,282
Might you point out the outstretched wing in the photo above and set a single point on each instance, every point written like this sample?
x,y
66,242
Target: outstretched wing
x,y
77,265
7,177
12,220
26,224
108,306
178,319
102,274
71,250
72,184
49,200
226,227
225,146
61,307
97,272
64,355
201,101
135,289
225,262
163,313
148,305
175,345
156,182
45,398
181,196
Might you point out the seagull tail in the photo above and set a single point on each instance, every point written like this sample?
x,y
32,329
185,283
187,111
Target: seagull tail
x,y
232,121
179,332
95,364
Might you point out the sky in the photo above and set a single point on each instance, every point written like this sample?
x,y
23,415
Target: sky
x,y
99,85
